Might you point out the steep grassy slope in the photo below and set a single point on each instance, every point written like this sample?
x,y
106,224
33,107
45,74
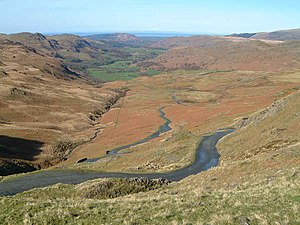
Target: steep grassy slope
x,y
45,109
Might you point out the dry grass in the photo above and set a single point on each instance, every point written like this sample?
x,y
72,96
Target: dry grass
x,y
35,105
211,101
256,182
217,53
258,174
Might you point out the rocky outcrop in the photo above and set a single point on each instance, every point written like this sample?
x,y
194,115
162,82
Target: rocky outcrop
x,y
255,118
109,103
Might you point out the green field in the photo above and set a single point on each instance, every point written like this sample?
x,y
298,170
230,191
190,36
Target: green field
x,y
140,54
120,70
123,68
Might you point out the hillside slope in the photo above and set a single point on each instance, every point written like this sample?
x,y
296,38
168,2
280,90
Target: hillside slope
x,y
17,53
225,53
76,52
281,35
45,109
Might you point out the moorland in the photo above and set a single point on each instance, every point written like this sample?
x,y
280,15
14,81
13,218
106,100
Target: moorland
x,y
66,100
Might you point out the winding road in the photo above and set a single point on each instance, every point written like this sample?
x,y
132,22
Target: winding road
x,y
206,157
162,129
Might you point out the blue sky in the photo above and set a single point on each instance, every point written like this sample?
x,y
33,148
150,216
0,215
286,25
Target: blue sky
x,y
185,16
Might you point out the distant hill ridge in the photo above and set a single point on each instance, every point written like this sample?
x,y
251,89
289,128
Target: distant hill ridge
x,y
246,51
225,53
243,35
281,35
114,36
123,38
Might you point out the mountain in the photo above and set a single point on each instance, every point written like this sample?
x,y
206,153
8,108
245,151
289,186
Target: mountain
x,y
122,38
282,35
76,52
36,41
81,54
225,53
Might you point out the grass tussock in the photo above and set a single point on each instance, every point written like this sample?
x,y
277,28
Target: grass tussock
x,y
112,188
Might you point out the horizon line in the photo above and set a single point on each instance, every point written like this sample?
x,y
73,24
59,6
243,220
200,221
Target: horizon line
x,y
143,32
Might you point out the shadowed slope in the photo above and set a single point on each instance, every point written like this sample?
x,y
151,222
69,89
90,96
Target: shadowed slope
x,y
18,148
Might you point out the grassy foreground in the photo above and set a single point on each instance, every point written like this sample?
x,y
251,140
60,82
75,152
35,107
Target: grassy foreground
x,y
264,202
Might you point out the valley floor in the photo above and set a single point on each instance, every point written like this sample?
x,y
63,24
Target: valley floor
x,y
205,102
256,182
